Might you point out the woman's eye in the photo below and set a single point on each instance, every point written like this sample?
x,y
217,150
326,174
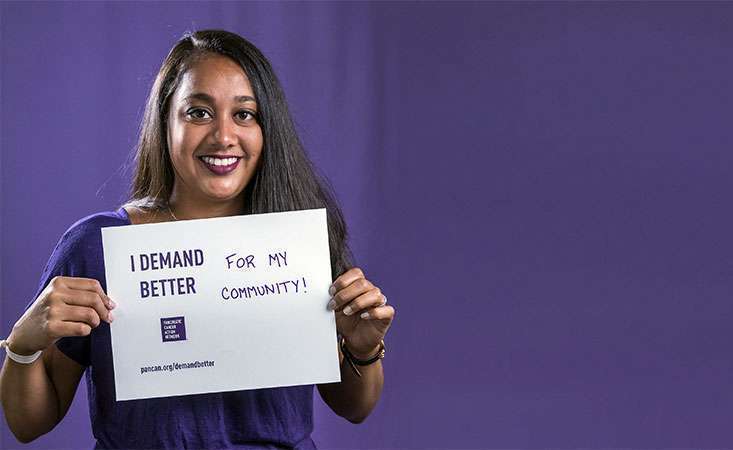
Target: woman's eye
x,y
246,115
197,113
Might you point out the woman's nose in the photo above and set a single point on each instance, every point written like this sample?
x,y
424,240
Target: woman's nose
x,y
225,132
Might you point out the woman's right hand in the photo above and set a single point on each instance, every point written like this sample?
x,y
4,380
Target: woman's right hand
x,y
69,306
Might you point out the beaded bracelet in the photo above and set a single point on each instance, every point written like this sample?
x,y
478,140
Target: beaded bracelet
x,y
22,359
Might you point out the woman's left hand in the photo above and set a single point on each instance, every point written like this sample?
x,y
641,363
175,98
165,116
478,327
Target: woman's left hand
x,y
362,315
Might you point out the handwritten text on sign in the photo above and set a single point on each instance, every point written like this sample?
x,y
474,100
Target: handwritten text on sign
x,y
223,304
187,285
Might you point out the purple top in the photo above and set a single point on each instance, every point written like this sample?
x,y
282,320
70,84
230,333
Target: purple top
x,y
261,418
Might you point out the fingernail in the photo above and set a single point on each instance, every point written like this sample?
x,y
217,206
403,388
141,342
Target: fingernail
x,y
332,290
111,317
332,305
347,310
112,304
364,315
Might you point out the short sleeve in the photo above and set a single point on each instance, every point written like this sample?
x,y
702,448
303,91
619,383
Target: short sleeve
x,y
69,259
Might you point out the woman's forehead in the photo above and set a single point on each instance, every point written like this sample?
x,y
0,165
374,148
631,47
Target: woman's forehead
x,y
215,76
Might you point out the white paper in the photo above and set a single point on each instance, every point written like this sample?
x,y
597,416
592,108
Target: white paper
x,y
254,340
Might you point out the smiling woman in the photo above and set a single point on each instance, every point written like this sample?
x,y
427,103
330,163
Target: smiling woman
x,y
216,140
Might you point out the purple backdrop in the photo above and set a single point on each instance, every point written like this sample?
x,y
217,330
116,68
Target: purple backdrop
x,y
539,188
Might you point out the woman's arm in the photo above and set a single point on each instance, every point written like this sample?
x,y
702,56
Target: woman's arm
x,y
35,397
362,318
354,398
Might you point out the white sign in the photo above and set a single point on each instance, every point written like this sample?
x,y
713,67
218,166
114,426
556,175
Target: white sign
x,y
221,304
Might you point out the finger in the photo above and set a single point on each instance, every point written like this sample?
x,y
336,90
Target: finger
x,y
59,329
345,279
89,284
85,314
85,298
359,287
369,299
379,313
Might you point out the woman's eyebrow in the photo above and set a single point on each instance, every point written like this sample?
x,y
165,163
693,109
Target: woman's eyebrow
x,y
207,98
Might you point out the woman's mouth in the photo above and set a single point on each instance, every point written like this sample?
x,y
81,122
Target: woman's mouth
x,y
220,165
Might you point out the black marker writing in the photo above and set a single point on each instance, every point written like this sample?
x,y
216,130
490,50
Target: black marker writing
x,y
278,257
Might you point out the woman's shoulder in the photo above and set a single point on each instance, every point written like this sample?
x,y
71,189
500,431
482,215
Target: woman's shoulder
x,y
86,233
81,243
127,214
98,220
87,230
138,215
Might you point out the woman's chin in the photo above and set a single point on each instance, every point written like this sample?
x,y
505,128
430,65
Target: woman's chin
x,y
221,198
224,195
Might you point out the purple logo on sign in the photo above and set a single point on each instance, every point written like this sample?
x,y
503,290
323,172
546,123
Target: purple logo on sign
x,y
173,328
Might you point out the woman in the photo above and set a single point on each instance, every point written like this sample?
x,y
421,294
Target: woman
x,y
216,140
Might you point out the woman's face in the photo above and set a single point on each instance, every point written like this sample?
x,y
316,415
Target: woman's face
x,y
214,139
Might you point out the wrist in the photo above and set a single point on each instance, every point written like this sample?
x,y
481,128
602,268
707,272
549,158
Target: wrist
x,y
361,354
25,359
354,360
15,343
18,348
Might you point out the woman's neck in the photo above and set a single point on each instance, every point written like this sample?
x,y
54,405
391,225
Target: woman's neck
x,y
190,209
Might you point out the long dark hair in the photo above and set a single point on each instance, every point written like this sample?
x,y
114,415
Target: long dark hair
x,y
285,179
